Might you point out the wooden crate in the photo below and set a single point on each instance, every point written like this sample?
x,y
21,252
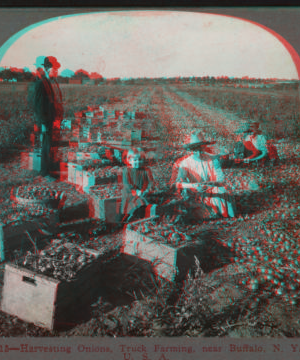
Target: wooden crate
x,y
85,133
87,156
45,301
13,237
84,144
132,135
89,179
105,209
95,133
74,173
71,172
79,176
168,262
34,161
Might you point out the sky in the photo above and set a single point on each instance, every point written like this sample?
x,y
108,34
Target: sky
x,y
155,44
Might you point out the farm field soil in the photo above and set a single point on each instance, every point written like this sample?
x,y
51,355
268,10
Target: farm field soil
x,y
253,291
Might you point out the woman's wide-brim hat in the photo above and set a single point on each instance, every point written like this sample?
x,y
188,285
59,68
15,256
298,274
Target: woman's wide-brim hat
x,y
198,145
196,141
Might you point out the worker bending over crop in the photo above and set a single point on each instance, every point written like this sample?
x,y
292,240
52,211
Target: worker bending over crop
x,y
252,146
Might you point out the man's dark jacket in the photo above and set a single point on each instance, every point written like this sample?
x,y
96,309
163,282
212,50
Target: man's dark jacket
x,y
47,106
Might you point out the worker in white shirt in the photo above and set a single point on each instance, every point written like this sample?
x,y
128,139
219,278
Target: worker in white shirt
x,y
200,178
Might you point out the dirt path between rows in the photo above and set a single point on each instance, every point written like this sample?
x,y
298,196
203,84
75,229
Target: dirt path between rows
x,y
225,124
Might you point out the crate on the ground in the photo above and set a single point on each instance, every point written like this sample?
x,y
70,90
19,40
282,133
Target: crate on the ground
x,y
34,160
90,179
76,169
79,176
71,172
84,133
46,301
13,237
132,135
83,144
105,205
75,173
87,156
95,133
168,262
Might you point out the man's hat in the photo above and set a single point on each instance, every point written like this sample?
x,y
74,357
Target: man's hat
x,y
51,62
47,62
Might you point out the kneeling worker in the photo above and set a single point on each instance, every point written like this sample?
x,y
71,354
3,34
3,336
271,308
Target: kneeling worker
x,y
201,178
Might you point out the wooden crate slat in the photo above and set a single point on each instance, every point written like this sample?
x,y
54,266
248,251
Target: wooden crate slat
x,y
150,249
87,156
167,261
105,209
32,301
45,301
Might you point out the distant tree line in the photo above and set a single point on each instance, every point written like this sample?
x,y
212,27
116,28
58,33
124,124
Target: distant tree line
x,y
25,75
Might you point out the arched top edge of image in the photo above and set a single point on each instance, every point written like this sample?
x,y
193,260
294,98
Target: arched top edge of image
x,y
154,12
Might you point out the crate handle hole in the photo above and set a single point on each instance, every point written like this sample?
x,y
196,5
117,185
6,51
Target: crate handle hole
x,y
28,280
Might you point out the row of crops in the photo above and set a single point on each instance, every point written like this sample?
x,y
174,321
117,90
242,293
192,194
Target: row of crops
x,y
278,113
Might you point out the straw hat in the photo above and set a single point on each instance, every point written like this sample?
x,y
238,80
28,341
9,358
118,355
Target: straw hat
x,y
196,142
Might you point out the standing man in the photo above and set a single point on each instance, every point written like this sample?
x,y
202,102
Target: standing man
x,y
47,106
